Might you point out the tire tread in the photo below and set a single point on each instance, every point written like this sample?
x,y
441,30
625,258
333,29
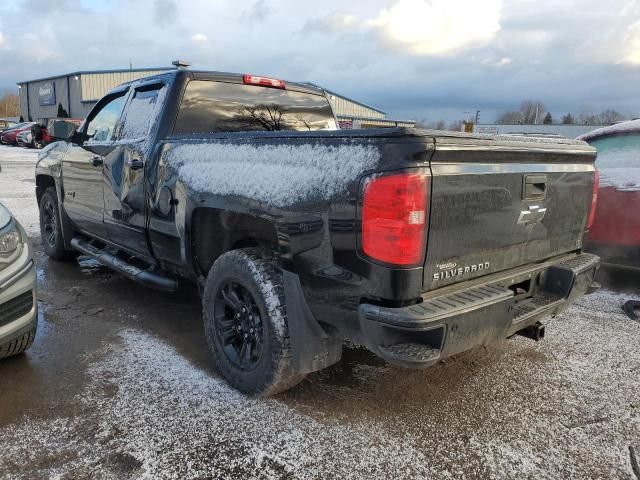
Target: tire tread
x,y
268,278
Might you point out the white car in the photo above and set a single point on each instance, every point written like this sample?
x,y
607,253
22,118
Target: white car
x,y
18,306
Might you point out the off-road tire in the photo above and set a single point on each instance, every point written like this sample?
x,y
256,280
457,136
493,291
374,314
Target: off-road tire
x,y
53,246
257,271
18,345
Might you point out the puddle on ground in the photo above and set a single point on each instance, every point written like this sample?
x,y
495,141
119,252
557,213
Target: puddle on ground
x,y
41,275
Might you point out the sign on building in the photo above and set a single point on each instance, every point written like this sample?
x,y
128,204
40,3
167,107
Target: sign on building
x,y
47,94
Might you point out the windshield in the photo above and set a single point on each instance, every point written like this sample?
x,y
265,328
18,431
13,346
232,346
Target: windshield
x,y
620,151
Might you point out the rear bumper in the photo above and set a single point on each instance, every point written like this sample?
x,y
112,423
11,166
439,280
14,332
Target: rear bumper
x,y
474,314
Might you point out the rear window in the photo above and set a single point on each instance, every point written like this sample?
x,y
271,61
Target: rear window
x,y
209,107
620,151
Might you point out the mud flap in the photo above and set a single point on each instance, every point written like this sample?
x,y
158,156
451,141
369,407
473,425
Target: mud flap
x,y
630,309
311,347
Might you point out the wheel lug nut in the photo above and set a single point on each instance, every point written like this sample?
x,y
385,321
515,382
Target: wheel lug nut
x,y
251,330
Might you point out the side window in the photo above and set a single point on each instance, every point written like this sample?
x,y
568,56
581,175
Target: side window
x,y
102,126
143,111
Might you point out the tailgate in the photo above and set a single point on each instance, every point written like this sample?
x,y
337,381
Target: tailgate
x,y
497,205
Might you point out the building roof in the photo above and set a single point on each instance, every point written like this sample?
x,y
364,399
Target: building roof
x,y
372,119
330,92
91,72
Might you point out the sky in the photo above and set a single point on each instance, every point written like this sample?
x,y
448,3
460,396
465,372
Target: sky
x,y
416,59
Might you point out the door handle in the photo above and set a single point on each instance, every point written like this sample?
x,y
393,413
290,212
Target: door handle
x,y
135,164
97,161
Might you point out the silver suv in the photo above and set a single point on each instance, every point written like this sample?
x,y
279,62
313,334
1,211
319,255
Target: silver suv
x,y
18,307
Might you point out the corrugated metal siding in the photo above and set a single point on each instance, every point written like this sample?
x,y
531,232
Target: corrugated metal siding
x,y
569,131
78,109
95,85
345,108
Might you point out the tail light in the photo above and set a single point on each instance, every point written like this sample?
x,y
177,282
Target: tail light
x,y
394,218
594,200
263,81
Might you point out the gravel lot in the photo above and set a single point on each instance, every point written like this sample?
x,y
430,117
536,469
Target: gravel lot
x,y
119,385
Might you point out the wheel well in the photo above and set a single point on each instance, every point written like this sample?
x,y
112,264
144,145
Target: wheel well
x,y
215,232
42,183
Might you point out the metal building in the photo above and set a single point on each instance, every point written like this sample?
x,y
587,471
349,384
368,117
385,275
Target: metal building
x,y
354,114
75,92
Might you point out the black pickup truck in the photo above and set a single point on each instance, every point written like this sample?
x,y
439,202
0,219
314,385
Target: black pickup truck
x,y
417,244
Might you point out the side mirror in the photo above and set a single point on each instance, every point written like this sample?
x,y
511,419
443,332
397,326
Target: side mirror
x,y
63,131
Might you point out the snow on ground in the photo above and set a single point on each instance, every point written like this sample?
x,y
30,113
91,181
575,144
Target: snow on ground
x,y
17,185
277,174
568,407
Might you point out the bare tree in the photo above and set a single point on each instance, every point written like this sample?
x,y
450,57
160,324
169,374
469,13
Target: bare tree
x,y
261,117
9,105
510,118
588,119
610,116
456,126
530,112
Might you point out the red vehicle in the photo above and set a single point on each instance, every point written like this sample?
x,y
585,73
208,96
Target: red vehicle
x,y
9,137
615,232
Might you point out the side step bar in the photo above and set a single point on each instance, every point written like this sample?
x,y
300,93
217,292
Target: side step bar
x,y
145,277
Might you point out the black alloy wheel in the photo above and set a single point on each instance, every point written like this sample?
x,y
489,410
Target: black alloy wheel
x,y
49,222
238,325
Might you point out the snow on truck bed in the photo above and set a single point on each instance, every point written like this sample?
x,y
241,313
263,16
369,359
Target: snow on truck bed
x,y
280,175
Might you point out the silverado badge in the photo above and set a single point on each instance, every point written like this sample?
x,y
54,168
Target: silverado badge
x,y
449,270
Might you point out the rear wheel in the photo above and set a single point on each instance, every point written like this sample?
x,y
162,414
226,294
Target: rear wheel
x,y
51,227
246,323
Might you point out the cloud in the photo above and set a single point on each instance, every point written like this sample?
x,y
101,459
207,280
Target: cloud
x,y
199,38
165,12
3,41
439,27
258,12
632,42
334,22
413,58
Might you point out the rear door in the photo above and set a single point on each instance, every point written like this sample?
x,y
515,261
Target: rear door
x,y
499,206
125,191
83,164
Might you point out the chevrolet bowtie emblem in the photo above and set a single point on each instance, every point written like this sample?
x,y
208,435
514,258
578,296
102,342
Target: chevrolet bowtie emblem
x,y
534,214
